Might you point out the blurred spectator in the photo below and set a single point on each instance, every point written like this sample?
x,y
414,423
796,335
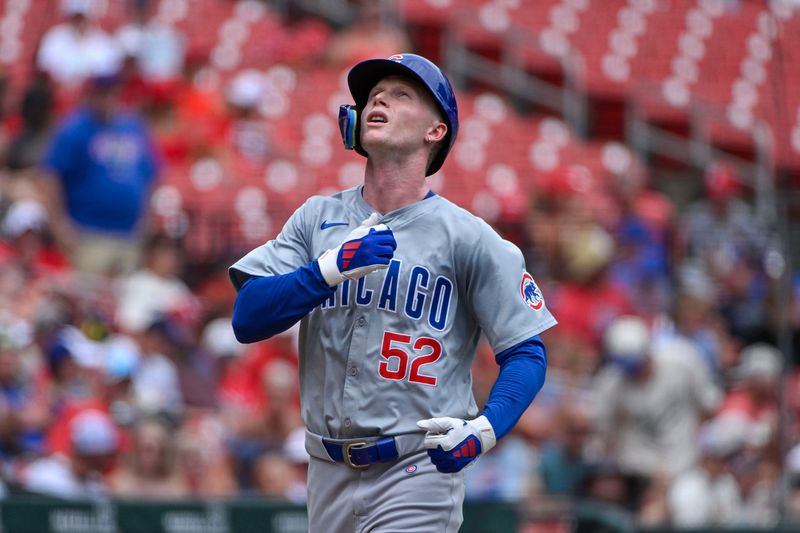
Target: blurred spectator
x,y
158,48
721,225
794,317
654,502
266,431
199,105
792,462
282,411
754,395
156,386
155,288
504,475
242,385
203,459
151,469
26,149
650,400
757,473
605,482
76,49
23,404
640,266
724,235
373,34
237,399
274,476
588,299
644,233
603,504
121,362
247,133
3,93
173,135
94,442
88,375
219,339
195,367
101,167
197,372
69,358
708,494
565,464
133,88
744,298
294,450
28,241
282,474
697,322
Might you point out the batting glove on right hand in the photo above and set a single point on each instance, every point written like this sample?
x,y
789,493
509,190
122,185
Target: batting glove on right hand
x,y
367,248
454,443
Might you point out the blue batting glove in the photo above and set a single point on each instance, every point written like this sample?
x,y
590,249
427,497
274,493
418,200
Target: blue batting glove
x,y
453,443
366,249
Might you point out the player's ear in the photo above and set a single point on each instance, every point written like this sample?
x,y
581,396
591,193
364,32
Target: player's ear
x,y
436,132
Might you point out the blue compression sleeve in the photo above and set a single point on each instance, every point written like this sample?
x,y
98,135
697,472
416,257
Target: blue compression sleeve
x,y
269,305
522,371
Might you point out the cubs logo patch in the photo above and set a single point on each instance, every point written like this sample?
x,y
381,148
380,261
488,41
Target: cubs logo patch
x,y
530,293
396,57
410,469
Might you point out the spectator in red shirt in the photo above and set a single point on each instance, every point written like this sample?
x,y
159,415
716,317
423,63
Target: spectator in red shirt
x,y
94,441
756,394
588,300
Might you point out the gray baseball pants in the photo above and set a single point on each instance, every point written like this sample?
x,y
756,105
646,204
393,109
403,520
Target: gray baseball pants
x,y
405,496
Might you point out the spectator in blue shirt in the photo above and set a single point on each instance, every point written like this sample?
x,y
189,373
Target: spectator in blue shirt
x,y
100,169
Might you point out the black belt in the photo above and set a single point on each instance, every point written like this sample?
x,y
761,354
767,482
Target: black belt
x,y
362,453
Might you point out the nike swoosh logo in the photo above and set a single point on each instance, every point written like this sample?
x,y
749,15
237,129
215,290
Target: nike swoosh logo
x,y
325,224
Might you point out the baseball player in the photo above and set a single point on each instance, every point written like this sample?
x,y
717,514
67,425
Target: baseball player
x,y
393,286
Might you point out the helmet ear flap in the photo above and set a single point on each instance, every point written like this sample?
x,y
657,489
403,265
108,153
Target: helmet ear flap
x,y
349,127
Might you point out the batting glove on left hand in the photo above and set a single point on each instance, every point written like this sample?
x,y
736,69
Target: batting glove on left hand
x,y
454,443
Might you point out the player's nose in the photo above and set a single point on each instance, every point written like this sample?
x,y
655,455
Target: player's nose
x,y
379,98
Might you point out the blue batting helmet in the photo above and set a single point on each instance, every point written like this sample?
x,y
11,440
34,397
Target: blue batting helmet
x,y
363,77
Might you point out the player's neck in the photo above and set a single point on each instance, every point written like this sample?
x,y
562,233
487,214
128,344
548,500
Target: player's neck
x,y
390,186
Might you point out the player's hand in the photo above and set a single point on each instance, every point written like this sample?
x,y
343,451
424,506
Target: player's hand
x,y
367,248
454,443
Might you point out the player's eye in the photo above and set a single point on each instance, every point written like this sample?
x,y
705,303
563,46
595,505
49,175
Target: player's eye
x,y
377,89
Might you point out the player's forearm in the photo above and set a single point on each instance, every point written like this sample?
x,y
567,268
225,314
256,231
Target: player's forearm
x,y
266,306
522,373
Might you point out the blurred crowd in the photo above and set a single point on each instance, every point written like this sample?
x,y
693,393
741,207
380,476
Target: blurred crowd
x,y
666,396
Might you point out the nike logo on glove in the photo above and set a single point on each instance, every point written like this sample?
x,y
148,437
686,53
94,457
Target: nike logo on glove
x,y
325,224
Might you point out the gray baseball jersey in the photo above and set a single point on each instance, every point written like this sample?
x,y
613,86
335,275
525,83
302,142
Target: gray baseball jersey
x,y
397,345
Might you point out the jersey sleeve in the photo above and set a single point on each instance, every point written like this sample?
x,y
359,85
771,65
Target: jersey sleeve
x,y
286,253
503,297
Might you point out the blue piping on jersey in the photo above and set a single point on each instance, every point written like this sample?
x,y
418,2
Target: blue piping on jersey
x,y
522,372
268,305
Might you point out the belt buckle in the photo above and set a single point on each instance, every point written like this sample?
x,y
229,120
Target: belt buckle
x,y
346,453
